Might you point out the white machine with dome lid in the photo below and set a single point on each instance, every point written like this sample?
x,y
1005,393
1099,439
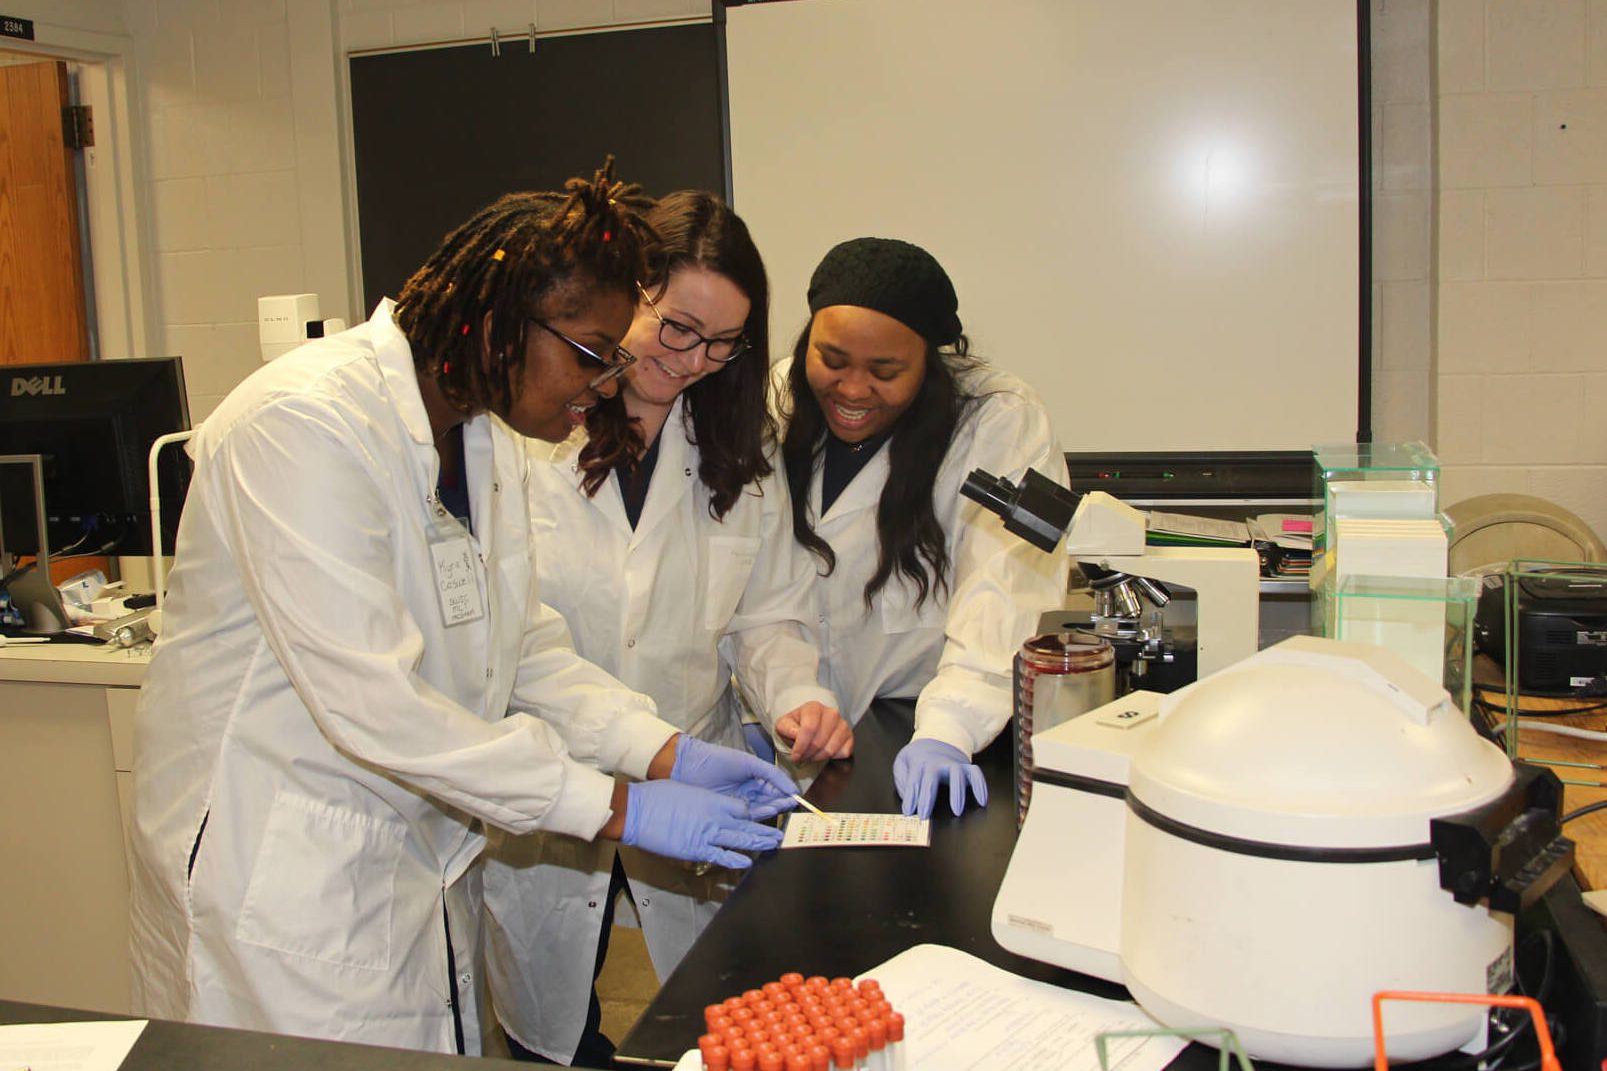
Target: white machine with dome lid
x,y
1266,848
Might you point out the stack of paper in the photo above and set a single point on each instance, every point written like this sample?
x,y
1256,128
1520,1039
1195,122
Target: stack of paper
x,y
1284,542
963,1013
1381,499
1413,628
1181,529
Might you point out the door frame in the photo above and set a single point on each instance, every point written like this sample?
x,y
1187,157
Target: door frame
x,y
116,223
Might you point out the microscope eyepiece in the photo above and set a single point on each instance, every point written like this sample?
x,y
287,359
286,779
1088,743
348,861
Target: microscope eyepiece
x,y
994,492
1039,510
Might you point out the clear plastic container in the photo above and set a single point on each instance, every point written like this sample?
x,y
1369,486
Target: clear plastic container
x,y
1426,620
1058,676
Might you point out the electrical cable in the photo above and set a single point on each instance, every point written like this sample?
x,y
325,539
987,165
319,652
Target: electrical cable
x,y
18,571
1556,730
1514,1021
1592,708
1580,812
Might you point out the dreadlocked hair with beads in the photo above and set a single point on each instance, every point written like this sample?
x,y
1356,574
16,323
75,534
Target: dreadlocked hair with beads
x,y
504,261
724,413
910,539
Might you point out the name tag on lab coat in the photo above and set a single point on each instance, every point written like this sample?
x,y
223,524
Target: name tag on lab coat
x,y
455,579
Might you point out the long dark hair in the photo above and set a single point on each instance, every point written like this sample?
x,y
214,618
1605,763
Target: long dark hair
x,y
725,413
505,260
909,536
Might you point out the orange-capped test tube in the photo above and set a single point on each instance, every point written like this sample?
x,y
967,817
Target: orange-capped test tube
x,y
861,1040
877,1030
842,1053
772,1060
898,1058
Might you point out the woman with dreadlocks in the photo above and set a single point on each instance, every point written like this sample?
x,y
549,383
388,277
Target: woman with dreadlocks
x,y
923,594
662,537
354,676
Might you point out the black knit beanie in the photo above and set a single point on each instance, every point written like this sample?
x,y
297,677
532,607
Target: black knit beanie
x,y
901,280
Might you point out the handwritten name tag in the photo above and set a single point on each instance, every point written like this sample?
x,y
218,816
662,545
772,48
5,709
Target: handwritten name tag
x,y
456,581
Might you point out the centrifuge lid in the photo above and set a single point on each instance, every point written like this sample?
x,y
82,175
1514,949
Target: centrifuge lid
x,y
1316,743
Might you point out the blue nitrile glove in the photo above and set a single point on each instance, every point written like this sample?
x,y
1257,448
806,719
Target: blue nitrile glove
x,y
695,824
766,790
923,765
759,741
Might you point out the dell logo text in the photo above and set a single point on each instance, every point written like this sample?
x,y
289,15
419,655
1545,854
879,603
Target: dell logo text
x,y
36,385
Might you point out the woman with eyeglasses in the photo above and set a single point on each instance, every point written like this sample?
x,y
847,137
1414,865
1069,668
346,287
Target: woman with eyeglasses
x,y
354,677
661,533
923,594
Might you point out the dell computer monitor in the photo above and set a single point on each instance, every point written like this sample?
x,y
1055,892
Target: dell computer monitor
x,y
92,423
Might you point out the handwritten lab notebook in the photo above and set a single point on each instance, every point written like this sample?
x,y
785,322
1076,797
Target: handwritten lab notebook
x,y
849,830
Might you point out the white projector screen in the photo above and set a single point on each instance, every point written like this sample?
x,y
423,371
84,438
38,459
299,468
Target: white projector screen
x,y
1149,207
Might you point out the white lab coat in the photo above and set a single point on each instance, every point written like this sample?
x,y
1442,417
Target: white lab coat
x,y
672,607
318,737
954,652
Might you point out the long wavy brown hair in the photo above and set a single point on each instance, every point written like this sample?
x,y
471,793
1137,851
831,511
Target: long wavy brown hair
x,y
724,413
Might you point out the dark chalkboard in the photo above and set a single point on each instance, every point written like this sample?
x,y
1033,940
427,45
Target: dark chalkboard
x,y
439,133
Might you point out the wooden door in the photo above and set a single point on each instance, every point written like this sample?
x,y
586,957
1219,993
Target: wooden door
x,y
42,309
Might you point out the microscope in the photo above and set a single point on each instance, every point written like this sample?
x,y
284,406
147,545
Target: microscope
x,y
1127,578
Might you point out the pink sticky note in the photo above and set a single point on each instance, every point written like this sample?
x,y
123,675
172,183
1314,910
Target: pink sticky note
x,y
1290,524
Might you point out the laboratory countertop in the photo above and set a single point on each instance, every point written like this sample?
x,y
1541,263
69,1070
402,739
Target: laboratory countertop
x,y
75,663
845,911
164,1045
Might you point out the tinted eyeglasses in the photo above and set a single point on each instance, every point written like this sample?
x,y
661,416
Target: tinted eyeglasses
x,y
612,369
674,335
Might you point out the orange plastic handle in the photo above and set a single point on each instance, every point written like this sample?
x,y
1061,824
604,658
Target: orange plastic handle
x,y
1548,1053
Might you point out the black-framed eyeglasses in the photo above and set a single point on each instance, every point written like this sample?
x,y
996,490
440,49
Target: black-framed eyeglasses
x,y
674,335
623,358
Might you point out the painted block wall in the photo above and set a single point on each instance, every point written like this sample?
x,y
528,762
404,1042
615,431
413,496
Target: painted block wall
x,y
1490,180
1520,305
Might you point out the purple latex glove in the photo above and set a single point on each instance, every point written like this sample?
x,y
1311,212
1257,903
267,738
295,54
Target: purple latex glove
x,y
766,790
923,765
695,824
